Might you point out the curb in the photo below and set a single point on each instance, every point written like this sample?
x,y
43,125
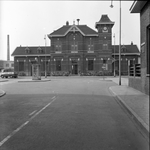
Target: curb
x,y
2,93
4,80
104,80
134,116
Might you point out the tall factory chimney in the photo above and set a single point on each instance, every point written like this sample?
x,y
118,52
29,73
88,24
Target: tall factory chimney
x,y
8,50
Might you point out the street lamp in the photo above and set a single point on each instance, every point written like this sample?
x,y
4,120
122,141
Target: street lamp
x,y
49,67
24,65
18,65
114,57
127,65
119,42
45,57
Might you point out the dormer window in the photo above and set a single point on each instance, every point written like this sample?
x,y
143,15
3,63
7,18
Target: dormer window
x,y
27,50
123,49
39,50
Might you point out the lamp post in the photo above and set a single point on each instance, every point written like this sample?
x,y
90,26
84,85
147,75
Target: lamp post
x,y
127,66
119,41
114,57
49,67
18,65
45,57
24,65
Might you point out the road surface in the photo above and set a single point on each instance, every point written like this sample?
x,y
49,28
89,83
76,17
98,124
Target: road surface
x,y
70,113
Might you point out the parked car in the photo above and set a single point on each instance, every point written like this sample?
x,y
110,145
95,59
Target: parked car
x,y
5,73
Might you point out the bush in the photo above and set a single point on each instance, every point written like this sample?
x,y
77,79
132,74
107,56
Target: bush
x,y
21,74
60,73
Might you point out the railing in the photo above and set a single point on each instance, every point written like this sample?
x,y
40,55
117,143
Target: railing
x,y
135,70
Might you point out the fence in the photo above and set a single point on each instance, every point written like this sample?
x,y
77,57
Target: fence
x,y
135,70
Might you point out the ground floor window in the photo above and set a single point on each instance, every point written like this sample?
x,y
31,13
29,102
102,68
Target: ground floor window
x,y
43,66
21,66
90,65
58,65
104,61
131,62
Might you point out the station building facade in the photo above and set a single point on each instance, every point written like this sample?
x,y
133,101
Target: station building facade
x,y
78,50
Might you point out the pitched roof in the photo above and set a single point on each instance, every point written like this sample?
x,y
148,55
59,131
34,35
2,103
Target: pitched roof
x,y
128,49
104,20
33,50
84,29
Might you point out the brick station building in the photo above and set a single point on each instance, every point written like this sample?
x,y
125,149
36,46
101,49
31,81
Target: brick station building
x,y
78,49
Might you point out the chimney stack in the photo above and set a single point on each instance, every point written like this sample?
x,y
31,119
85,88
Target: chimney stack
x,y
78,21
8,50
67,23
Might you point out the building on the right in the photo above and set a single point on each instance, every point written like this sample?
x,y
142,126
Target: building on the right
x,y
142,83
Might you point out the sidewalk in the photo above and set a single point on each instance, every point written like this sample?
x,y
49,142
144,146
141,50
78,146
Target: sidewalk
x,y
2,93
134,101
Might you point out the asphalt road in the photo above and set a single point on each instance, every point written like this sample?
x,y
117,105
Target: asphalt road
x,y
65,114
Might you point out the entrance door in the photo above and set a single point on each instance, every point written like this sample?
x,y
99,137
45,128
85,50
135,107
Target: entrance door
x,y
74,67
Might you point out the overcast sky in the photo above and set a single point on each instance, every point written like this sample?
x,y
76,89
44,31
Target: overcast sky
x,y
28,21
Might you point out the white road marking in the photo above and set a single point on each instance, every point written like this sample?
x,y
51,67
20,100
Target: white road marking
x,y
24,124
53,97
32,113
15,131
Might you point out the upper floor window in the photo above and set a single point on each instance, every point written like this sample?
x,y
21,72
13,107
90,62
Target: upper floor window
x,y
58,45
7,65
105,46
74,46
90,45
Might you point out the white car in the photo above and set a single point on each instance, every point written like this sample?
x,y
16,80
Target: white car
x,y
5,73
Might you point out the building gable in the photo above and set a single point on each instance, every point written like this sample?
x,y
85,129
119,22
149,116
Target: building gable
x,y
64,30
74,29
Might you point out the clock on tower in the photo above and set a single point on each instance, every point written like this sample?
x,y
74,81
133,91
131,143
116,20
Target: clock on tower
x,y
105,29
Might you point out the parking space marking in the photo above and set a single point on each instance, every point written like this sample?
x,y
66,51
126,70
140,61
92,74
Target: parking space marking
x,y
24,124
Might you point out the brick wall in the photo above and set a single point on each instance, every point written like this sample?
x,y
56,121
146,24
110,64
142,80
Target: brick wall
x,y
145,21
142,83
